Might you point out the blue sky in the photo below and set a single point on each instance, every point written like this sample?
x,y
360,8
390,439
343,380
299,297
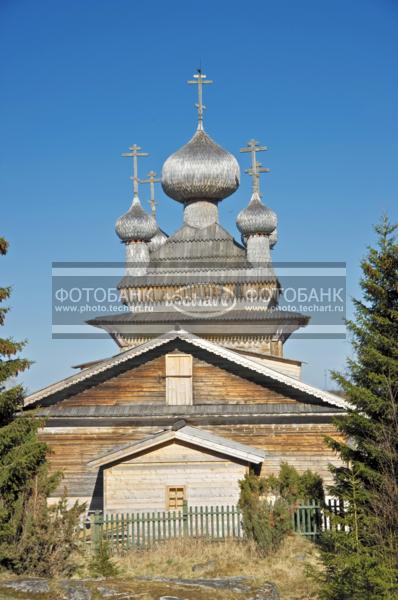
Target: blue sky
x,y
315,80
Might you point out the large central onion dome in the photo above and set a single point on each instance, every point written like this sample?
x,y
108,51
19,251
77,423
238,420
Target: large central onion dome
x,y
200,170
136,225
256,218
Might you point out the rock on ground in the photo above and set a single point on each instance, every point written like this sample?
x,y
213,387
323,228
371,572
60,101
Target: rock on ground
x,y
127,589
29,586
75,590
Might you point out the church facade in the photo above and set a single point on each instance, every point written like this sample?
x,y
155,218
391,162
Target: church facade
x,y
199,392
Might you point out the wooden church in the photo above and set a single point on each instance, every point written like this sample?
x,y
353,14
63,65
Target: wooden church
x,y
199,392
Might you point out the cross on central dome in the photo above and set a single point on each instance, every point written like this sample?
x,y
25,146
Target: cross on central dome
x,y
200,170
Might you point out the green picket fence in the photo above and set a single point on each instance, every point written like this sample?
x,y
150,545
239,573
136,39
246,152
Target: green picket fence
x,y
311,519
134,530
308,520
123,531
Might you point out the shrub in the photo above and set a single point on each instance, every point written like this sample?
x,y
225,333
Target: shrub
x,y
311,487
293,487
267,521
264,521
48,536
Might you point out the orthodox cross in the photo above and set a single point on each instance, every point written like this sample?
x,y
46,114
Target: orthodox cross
x,y
256,167
152,179
200,80
134,153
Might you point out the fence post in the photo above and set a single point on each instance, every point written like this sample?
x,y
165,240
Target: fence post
x,y
96,528
185,517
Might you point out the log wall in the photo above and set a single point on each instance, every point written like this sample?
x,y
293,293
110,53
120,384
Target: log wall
x,y
146,384
300,444
72,448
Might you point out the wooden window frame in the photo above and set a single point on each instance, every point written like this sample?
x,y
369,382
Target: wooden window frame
x,y
179,387
175,487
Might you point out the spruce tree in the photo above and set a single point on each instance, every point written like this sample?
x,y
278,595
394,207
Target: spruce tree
x,y
21,453
34,538
361,555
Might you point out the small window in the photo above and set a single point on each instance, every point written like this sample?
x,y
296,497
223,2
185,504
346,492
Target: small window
x,y
175,498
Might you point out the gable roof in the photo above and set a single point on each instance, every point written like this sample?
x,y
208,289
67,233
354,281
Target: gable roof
x,y
184,433
88,376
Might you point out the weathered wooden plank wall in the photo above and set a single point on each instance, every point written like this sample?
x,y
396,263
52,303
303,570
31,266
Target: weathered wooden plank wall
x,y
146,384
301,444
72,448
140,483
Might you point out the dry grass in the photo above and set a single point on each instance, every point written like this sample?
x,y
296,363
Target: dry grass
x,y
176,558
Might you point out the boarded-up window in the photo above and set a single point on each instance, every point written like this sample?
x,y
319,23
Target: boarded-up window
x,y
175,497
178,379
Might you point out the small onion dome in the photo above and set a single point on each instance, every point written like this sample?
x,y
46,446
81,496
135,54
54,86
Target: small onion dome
x,y
256,218
200,170
136,225
158,239
273,238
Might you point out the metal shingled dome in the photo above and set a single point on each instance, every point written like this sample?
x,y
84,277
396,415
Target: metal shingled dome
x,y
200,170
136,225
158,240
256,218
